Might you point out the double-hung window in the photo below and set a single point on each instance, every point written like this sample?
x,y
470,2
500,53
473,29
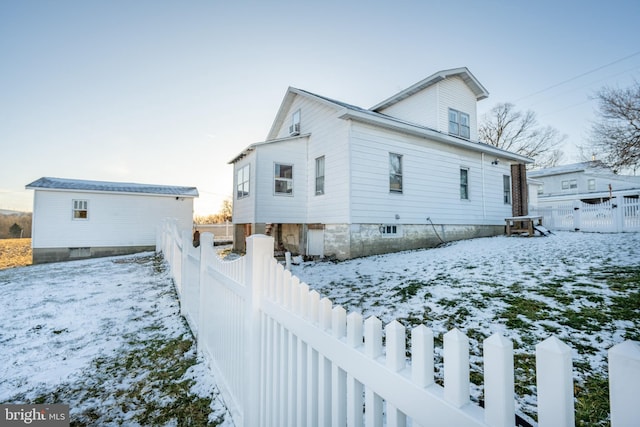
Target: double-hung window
x,y
506,186
242,183
294,129
320,176
459,123
464,184
395,173
283,179
80,209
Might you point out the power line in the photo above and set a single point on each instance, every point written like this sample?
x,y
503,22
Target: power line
x,y
578,76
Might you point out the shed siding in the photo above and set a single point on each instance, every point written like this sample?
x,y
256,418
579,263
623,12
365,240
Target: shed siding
x,y
431,182
114,219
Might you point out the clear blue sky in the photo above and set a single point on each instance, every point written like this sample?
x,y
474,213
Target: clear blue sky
x,y
167,92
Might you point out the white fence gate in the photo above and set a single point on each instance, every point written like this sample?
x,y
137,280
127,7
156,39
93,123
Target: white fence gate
x,y
615,215
282,356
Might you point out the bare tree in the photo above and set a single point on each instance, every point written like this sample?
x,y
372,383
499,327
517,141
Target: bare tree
x,y
223,215
616,135
519,132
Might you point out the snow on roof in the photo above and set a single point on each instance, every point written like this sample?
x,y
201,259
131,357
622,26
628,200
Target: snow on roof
x,y
47,183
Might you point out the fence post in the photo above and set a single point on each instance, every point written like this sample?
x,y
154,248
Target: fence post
x,y
617,211
576,215
259,251
624,377
554,378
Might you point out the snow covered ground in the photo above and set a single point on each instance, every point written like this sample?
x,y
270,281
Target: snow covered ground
x,y
581,287
63,324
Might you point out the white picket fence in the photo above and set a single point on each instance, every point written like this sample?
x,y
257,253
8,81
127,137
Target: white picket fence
x,y
282,356
615,215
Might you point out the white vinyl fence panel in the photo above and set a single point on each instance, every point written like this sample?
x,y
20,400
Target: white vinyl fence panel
x,y
282,356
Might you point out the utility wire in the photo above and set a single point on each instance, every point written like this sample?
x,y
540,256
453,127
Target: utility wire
x,y
578,76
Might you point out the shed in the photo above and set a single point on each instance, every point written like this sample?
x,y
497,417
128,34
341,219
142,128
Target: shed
x,y
75,219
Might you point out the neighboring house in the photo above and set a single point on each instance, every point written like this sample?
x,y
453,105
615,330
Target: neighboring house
x,y
80,219
333,179
590,182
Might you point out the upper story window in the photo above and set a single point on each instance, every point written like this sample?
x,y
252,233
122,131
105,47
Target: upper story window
x,y
395,173
294,129
464,184
459,123
506,189
80,209
591,184
242,186
569,184
320,176
283,179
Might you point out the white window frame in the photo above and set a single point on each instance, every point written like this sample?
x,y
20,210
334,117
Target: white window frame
x,y
243,182
282,179
79,206
506,188
397,174
295,122
591,184
569,184
465,185
459,124
320,163
390,230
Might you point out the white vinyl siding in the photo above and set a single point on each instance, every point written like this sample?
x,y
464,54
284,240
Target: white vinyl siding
x,y
114,219
431,184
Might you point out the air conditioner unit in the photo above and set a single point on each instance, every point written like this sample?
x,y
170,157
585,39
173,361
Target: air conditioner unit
x,y
294,129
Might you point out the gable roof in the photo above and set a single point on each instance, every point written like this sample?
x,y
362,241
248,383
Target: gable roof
x,y
478,90
61,184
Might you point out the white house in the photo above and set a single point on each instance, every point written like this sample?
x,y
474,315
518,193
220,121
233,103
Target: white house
x,y
590,182
333,179
79,219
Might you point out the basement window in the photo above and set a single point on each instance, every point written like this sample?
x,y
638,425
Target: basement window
x,y
80,209
390,230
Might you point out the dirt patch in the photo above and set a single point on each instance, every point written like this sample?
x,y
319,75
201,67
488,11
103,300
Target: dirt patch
x,y
15,253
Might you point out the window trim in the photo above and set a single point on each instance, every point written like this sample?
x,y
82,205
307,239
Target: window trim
x,y
591,184
319,181
77,207
284,179
464,185
569,184
241,184
459,126
506,188
398,176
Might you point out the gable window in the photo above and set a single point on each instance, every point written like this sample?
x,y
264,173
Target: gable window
x,y
459,123
242,186
395,173
464,184
283,179
294,129
320,176
80,209
506,185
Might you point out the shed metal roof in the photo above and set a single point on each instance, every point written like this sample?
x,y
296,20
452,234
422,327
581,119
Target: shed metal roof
x,y
48,183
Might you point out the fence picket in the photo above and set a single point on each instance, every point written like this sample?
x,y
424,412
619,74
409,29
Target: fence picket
x,y
456,368
422,356
498,381
624,377
554,379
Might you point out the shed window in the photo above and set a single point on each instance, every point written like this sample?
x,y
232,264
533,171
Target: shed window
x,y
283,179
80,209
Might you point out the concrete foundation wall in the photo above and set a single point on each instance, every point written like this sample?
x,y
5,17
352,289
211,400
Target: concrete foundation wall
x,y
45,255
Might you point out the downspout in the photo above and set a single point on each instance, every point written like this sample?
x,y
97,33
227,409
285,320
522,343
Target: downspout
x,y
484,209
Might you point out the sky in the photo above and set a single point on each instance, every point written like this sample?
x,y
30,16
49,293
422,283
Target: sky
x,y
168,92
